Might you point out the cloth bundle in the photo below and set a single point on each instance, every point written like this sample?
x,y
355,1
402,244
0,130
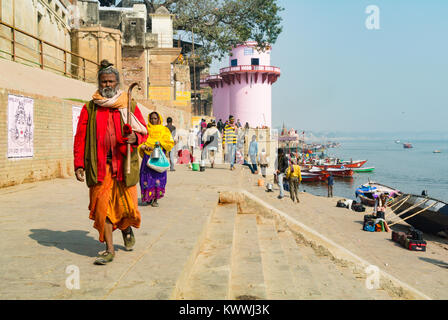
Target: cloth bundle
x,y
160,164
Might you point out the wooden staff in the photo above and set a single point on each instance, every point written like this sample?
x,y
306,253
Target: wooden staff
x,y
128,147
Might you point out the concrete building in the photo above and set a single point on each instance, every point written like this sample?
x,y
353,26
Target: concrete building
x,y
47,20
244,88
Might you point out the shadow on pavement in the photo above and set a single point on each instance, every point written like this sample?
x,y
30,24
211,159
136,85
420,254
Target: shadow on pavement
x,y
439,263
75,241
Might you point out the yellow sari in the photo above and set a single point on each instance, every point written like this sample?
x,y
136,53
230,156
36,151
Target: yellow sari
x,y
157,133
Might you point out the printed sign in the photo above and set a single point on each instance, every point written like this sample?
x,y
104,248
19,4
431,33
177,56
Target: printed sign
x,y
183,95
76,112
20,127
159,93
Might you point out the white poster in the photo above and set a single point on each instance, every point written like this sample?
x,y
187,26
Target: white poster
x,y
76,112
20,127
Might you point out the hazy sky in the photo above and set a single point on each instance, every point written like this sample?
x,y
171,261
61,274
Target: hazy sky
x,y
337,75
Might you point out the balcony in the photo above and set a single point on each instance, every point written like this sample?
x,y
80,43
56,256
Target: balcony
x,y
250,68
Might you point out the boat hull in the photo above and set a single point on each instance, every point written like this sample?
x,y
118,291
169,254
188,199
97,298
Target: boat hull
x,y
366,200
354,164
314,177
363,169
433,220
339,172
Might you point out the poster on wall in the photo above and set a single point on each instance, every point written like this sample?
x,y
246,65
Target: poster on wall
x,y
20,127
76,112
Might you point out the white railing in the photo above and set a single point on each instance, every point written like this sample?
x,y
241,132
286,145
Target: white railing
x,y
246,68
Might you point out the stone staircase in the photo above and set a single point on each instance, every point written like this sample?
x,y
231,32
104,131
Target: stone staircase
x,y
252,257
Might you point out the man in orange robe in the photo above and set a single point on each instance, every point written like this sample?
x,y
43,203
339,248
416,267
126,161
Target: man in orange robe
x,y
100,154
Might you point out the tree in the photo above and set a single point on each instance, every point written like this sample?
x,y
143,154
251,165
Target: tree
x,y
218,25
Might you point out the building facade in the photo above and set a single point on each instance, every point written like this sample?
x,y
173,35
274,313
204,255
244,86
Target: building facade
x,y
26,21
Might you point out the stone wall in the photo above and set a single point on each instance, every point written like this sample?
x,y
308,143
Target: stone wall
x,y
53,141
95,43
135,62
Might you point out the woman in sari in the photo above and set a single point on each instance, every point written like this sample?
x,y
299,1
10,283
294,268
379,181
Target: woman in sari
x,y
152,183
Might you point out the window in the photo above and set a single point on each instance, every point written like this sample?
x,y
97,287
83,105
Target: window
x,y
248,51
255,61
234,62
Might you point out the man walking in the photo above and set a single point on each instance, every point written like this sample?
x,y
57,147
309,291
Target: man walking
x,y
330,182
210,139
229,141
263,161
220,126
281,171
294,176
169,125
253,155
100,155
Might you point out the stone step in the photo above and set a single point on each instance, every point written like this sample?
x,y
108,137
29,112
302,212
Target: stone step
x,y
316,276
276,268
303,277
210,276
246,275
161,267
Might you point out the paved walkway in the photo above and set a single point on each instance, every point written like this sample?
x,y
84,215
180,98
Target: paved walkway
x,y
47,242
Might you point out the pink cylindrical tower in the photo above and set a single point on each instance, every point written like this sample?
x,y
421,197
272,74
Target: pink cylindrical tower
x,y
244,89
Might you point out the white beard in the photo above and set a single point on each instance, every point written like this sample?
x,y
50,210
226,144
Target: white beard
x,y
108,92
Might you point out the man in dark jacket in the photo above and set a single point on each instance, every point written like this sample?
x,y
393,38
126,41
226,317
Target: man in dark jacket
x,y
172,128
281,171
330,182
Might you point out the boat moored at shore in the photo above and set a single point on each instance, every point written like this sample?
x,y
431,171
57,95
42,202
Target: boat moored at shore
x,y
423,213
367,192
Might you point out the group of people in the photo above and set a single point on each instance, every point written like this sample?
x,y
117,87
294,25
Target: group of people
x,y
108,145
288,169
221,125
101,144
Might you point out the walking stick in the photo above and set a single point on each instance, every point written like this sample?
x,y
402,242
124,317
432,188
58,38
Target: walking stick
x,y
128,146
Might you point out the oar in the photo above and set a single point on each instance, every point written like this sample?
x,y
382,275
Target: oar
x,y
424,209
399,215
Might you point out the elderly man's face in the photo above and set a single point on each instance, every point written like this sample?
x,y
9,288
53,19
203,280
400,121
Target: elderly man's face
x,y
108,85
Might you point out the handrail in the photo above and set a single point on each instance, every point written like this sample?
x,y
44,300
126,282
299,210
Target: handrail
x,y
40,52
243,68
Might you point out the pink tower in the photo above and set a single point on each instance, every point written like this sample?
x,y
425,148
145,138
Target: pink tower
x,y
244,89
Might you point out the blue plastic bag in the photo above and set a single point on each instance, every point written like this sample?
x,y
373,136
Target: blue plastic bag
x,y
160,164
369,227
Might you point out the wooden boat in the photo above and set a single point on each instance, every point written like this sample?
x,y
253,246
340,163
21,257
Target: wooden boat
x,y
339,172
345,164
366,192
369,169
354,164
407,145
423,213
314,177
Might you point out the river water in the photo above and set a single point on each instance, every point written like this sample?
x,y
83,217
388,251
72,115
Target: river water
x,y
409,170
